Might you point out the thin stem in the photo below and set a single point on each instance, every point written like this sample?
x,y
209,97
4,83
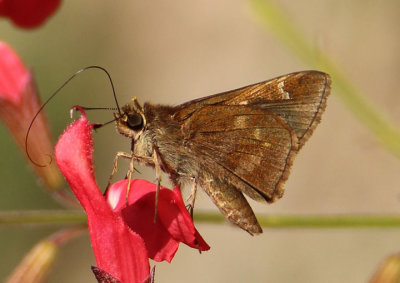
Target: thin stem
x,y
42,217
314,221
271,221
331,221
293,37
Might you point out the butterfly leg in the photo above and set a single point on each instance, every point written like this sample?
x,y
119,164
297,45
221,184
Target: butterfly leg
x,y
142,159
192,197
115,166
157,167
129,176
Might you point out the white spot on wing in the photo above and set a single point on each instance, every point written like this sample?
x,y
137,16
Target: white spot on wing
x,y
285,94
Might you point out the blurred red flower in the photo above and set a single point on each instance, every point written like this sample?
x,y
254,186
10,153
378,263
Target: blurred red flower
x,y
28,13
19,102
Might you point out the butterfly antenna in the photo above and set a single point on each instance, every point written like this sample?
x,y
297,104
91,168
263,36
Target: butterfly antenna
x,y
54,94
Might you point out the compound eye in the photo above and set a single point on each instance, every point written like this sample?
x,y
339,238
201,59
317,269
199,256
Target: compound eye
x,y
135,121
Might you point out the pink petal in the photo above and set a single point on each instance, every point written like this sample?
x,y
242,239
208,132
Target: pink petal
x,y
118,250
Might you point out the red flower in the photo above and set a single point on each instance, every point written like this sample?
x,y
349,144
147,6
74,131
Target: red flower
x,y
118,248
28,13
19,102
173,224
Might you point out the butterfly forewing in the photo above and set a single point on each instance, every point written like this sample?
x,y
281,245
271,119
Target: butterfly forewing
x,y
304,101
250,148
298,98
239,130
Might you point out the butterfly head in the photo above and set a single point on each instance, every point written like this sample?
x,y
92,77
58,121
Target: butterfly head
x,y
130,122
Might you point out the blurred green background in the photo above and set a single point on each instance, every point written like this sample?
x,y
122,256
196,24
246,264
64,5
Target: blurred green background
x,y
172,52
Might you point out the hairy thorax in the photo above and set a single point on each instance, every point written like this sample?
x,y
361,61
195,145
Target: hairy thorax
x,y
165,136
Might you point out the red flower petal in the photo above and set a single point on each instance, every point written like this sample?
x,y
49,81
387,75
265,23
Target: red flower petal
x,y
178,221
28,13
160,245
173,225
117,249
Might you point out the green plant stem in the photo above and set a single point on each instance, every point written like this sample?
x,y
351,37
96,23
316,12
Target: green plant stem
x,y
313,221
42,217
291,36
271,221
330,221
